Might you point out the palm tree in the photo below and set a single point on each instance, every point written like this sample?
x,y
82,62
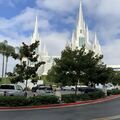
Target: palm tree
x,y
9,51
2,51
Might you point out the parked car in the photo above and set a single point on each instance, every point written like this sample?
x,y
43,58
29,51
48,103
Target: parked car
x,y
108,86
12,90
87,89
72,88
66,88
36,87
45,90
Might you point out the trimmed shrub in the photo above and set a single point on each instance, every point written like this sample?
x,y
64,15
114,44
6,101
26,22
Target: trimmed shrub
x,y
69,98
113,92
43,100
81,97
23,101
96,95
13,101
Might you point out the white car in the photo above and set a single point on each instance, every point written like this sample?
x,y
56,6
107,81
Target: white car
x,y
45,90
108,86
72,87
11,90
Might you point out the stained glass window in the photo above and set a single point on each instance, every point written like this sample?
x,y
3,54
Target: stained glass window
x,y
81,41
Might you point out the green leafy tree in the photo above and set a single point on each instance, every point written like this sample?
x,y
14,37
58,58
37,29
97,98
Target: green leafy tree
x,y
27,69
9,51
2,51
116,78
6,51
78,66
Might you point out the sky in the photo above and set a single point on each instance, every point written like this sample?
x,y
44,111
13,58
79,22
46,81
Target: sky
x,y
57,20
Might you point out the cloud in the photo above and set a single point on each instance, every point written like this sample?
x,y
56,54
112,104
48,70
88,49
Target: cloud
x,y
111,52
105,15
55,41
58,5
14,29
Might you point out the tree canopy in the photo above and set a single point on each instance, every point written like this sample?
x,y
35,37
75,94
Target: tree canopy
x,y
6,50
79,66
27,69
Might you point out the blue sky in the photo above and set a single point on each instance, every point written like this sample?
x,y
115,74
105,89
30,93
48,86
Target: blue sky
x,y
57,19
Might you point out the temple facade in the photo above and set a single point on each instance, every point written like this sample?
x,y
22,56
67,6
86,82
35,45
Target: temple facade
x,y
42,52
80,37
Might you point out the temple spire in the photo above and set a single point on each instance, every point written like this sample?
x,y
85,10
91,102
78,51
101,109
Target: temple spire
x,y
36,26
35,36
87,35
80,18
45,50
95,41
96,46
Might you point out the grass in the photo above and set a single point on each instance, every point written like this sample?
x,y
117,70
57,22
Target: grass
x,y
4,81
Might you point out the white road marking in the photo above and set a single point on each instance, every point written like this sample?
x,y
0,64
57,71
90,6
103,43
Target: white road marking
x,y
108,118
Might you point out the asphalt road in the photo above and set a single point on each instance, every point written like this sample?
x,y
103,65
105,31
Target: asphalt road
x,y
109,110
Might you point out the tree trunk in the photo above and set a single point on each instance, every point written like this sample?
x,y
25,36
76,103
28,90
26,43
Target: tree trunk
x,y
6,64
3,65
26,82
75,88
105,89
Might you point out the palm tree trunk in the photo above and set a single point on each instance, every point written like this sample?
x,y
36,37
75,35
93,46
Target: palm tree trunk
x,y
6,64
3,65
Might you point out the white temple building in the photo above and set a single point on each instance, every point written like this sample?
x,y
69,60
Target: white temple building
x,y
42,52
80,37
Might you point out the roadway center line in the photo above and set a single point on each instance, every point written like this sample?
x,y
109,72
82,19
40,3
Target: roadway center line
x,y
108,118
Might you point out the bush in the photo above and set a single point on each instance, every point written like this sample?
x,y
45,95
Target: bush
x,y
69,98
81,97
113,92
13,101
96,95
23,101
43,100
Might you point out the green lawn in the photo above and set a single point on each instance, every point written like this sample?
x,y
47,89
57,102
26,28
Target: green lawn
x,y
5,81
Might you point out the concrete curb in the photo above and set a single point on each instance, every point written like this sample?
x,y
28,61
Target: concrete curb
x,y
51,106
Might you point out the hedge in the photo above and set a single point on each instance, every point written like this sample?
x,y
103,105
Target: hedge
x,y
50,99
113,92
43,100
68,98
23,101
13,101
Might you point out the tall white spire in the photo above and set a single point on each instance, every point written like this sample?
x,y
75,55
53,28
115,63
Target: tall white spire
x,y
96,46
87,35
45,50
36,36
80,18
81,35
36,26
95,41
73,41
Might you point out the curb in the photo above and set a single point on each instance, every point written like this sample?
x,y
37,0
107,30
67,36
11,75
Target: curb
x,y
57,106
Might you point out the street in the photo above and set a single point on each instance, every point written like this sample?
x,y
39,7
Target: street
x,y
109,110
